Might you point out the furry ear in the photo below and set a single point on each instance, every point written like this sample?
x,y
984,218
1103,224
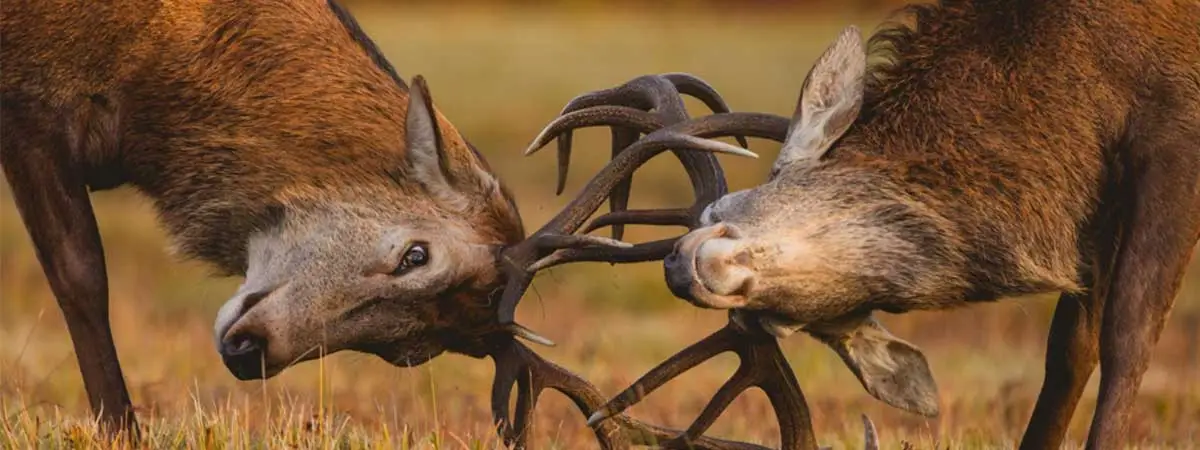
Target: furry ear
x,y
829,100
427,158
889,368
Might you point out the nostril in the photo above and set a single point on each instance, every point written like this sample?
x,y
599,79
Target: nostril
x,y
678,244
745,287
253,299
243,344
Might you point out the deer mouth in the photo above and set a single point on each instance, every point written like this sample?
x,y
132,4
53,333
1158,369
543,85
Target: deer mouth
x,y
684,277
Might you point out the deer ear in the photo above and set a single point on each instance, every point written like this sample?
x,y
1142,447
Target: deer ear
x,y
890,369
829,100
426,155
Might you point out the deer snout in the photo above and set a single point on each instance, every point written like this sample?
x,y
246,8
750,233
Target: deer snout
x,y
719,269
241,340
703,268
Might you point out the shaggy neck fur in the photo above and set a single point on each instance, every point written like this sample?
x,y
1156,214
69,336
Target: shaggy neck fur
x,y
237,113
986,120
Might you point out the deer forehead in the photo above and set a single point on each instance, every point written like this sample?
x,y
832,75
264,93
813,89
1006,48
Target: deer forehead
x,y
339,235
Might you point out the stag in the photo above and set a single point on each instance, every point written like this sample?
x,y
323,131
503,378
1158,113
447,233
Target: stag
x,y
969,166
277,144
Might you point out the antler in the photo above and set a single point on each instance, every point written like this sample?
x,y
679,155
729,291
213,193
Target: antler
x,y
660,93
762,365
625,109
518,365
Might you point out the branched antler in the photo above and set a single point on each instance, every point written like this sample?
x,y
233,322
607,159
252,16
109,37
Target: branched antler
x,y
518,365
650,105
762,365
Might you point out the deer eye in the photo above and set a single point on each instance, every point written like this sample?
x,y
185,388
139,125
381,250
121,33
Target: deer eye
x,y
417,255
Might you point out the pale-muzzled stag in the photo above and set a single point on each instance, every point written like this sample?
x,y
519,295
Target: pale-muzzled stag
x,y
995,150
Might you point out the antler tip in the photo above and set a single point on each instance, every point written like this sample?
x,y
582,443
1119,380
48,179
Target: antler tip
x,y
533,147
742,152
870,435
525,333
598,416
711,145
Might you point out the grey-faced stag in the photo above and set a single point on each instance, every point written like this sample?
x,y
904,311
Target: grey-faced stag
x,y
994,151
276,143
652,105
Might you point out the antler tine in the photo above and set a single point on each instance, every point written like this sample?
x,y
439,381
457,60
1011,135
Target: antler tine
x,y
610,115
646,251
517,364
688,84
762,365
870,436
640,217
618,199
636,93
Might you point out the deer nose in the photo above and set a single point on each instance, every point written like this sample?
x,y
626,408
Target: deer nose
x,y
679,276
243,350
679,266
243,356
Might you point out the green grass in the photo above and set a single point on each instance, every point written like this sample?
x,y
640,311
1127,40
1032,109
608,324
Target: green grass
x,y
500,74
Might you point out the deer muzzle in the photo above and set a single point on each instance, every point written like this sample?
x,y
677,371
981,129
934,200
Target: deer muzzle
x,y
240,339
704,268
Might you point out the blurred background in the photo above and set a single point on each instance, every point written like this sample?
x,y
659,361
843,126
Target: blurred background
x,y
500,71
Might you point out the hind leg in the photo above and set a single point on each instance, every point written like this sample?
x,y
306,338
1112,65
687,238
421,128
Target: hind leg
x,y
1161,231
1072,349
1071,356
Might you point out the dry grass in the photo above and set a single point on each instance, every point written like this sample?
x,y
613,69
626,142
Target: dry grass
x,y
500,74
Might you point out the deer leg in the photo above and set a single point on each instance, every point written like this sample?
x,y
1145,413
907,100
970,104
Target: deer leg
x,y
1071,356
1160,233
53,202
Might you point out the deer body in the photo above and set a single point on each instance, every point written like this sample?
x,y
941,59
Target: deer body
x,y
275,142
1002,149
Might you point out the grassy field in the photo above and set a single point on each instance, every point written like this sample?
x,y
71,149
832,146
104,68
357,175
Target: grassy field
x,y
500,74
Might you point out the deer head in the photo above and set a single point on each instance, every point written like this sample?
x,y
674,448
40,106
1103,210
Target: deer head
x,y
417,274
397,277
818,245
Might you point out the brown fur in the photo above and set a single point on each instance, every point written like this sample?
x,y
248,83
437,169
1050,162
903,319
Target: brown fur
x,y
1001,149
208,128
237,119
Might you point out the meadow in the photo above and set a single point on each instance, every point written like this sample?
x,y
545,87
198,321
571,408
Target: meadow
x,y
500,73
